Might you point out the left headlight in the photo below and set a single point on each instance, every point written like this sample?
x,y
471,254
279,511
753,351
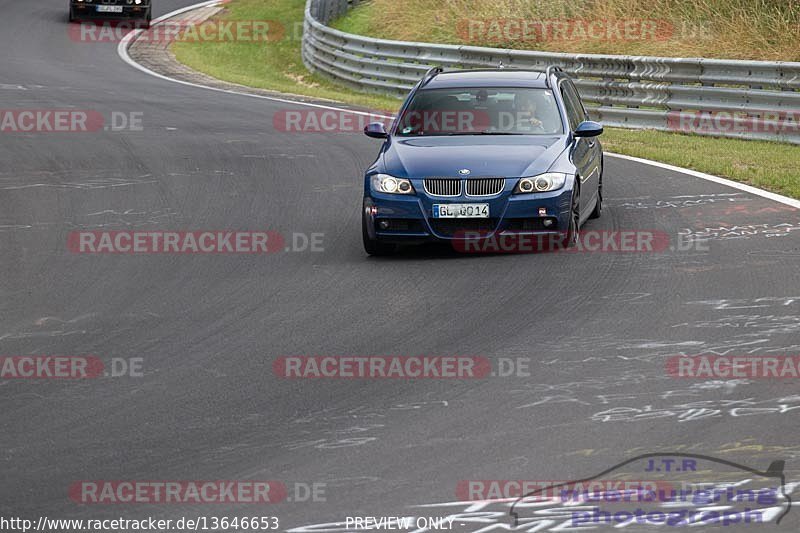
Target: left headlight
x,y
391,185
549,181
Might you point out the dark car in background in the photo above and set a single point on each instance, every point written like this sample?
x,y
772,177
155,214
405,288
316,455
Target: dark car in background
x,y
494,152
91,10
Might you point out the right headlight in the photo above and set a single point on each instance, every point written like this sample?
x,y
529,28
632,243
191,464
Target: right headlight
x,y
549,181
391,185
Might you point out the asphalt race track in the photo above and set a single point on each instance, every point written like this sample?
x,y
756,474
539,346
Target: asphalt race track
x,y
596,328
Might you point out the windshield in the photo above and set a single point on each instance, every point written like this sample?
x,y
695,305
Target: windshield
x,y
481,111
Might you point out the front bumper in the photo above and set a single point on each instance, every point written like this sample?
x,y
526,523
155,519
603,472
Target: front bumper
x,y
402,219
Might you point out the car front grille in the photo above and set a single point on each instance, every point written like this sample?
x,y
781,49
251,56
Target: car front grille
x,y
485,186
456,227
442,186
450,187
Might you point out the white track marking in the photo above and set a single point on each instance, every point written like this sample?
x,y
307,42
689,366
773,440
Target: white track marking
x,y
716,179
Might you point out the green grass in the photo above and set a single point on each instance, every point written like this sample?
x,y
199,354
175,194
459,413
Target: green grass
x,y
278,66
270,65
735,29
767,165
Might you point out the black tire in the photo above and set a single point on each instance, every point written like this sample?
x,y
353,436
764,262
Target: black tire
x,y
144,23
598,207
373,247
571,238
72,15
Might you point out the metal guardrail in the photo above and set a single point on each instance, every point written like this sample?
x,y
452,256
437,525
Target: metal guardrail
x,y
744,99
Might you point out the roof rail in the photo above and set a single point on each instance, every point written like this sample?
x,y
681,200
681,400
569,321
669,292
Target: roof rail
x,y
432,73
548,72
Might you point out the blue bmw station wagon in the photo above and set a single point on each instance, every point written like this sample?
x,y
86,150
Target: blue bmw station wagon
x,y
484,152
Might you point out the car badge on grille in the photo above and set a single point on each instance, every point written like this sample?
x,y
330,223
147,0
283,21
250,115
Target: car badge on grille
x,y
465,172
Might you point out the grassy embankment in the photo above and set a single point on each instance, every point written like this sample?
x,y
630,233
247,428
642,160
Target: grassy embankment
x,y
766,30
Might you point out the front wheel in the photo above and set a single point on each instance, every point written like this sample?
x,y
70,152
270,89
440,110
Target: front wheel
x,y
598,207
145,22
571,238
72,15
372,246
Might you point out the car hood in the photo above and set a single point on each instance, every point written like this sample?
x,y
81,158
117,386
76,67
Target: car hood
x,y
483,155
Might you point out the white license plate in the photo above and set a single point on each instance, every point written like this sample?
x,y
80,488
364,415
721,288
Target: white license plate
x,y
460,210
109,9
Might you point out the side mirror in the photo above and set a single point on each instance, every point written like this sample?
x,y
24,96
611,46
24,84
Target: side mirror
x,y
587,128
376,130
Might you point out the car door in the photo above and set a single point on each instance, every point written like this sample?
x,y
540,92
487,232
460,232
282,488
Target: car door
x,y
585,151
